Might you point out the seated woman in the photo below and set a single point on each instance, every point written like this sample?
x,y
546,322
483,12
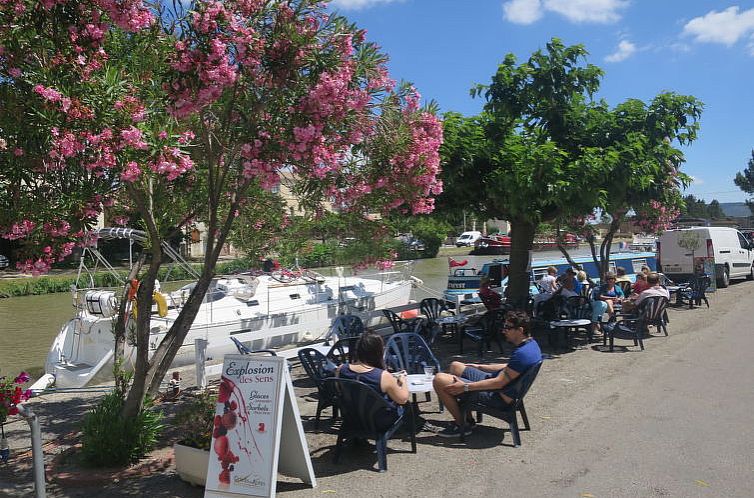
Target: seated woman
x,y
369,368
640,285
610,293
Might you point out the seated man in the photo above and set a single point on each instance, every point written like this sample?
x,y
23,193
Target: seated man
x,y
491,380
655,289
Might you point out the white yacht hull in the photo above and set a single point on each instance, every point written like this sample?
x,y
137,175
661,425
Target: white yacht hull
x,y
283,315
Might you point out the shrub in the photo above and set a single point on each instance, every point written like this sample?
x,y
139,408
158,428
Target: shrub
x,y
109,440
196,421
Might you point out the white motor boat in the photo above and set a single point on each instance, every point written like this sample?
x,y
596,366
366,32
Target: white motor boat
x,y
269,310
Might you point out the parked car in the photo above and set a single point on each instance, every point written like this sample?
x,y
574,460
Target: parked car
x,y
4,262
413,243
681,252
468,238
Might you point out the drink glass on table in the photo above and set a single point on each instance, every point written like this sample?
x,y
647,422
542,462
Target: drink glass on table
x,y
429,372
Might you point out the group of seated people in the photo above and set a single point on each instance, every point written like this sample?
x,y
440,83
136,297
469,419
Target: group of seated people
x,y
492,381
607,297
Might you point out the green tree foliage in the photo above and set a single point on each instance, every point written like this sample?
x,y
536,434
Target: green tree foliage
x,y
745,181
518,159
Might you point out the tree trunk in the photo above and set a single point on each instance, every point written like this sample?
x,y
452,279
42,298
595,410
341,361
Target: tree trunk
x,y
607,243
125,309
135,398
522,239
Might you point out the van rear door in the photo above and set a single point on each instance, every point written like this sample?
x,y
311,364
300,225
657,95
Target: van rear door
x,y
676,259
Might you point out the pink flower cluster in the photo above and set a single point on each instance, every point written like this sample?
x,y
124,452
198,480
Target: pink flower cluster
x,y
656,217
19,230
130,15
132,137
133,106
172,163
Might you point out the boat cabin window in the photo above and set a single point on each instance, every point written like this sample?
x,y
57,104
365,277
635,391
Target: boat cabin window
x,y
495,273
611,267
637,264
539,273
252,302
295,296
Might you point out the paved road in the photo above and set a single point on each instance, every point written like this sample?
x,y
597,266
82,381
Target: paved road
x,y
674,420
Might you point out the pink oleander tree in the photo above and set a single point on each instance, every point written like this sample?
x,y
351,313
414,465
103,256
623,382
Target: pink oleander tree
x,y
170,113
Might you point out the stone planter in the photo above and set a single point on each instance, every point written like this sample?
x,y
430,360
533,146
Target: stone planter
x,y
191,464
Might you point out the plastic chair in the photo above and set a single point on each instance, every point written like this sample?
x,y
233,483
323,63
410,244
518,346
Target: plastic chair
x,y
486,330
409,352
651,311
242,349
318,368
433,309
344,350
344,326
399,324
521,386
366,415
695,292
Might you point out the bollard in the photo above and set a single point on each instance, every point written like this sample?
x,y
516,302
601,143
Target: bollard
x,y
200,349
36,450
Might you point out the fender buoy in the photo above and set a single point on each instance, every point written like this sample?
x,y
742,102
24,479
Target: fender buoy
x,y
133,287
159,300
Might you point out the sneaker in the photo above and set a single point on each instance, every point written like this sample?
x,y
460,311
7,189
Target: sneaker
x,y
453,431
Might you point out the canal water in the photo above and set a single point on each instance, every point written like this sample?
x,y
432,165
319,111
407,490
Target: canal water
x,y
29,324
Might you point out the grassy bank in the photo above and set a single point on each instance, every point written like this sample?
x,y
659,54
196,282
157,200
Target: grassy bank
x,y
62,282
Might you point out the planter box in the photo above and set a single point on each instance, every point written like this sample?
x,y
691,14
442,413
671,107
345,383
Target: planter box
x,y
191,464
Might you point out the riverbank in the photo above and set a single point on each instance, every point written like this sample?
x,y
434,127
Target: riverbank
x,y
576,407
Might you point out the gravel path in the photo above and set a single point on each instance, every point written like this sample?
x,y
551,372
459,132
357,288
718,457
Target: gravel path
x,y
575,389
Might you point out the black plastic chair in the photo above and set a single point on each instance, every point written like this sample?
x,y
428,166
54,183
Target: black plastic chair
x,y
244,350
695,292
521,386
344,326
344,350
433,309
486,330
651,311
366,415
409,352
318,368
399,324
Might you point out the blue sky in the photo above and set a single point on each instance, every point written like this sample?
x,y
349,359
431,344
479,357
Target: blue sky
x,y
698,47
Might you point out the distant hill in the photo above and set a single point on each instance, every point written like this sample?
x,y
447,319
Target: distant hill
x,y
735,209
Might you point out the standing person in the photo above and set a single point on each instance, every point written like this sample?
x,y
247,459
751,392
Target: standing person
x,y
610,293
548,285
369,368
494,380
489,297
548,282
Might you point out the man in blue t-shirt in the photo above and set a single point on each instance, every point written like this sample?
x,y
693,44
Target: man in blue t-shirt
x,y
494,381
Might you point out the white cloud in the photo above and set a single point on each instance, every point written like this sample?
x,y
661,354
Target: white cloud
x,y
596,11
523,11
697,181
359,4
625,50
726,27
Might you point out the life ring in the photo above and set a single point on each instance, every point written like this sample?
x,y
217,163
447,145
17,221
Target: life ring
x,y
159,300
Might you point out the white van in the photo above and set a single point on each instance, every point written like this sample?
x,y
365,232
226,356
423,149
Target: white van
x,y
732,253
468,238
